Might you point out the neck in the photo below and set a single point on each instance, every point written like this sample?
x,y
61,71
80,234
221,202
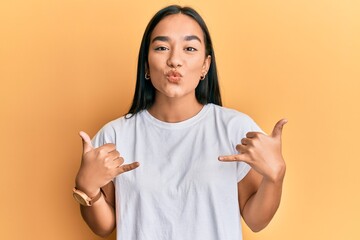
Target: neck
x,y
175,110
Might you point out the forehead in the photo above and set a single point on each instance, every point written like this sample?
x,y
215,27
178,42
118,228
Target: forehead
x,y
177,25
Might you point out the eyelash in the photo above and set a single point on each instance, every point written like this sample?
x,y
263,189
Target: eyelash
x,y
161,49
190,49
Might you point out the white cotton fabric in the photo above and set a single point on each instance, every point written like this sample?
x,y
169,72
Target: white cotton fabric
x,y
180,191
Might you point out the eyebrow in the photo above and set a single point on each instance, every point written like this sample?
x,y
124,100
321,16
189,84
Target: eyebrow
x,y
192,37
167,39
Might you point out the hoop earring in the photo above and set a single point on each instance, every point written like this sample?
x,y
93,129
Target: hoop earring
x,y
147,76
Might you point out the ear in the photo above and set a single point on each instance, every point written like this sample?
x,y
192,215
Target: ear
x,y
206,65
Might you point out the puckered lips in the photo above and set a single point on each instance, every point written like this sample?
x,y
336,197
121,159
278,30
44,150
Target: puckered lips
x,y
173,76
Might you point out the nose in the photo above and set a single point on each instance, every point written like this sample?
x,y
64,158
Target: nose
x,y
174,60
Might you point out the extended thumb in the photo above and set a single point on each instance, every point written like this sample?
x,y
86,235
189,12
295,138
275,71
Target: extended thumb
x,y
277,131
87,145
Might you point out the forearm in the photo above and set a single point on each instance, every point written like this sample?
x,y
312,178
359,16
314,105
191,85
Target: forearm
x,y
262,205
99,166
100,217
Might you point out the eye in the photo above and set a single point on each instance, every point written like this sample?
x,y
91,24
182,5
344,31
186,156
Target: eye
x,y
161,49
190,49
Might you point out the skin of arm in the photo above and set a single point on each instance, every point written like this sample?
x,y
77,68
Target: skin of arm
x,y
100,217
259,199
259,193
99,166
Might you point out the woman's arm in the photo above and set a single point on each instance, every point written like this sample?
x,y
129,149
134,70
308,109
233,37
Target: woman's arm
x,y
99,166
259,199
100,217
259,193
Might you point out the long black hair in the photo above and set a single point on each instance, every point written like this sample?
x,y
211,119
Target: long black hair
x,y
207,91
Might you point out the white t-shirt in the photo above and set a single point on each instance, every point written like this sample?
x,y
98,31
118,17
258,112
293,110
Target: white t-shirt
x,y
180,190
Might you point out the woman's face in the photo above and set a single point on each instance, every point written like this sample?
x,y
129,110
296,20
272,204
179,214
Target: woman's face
x,y
177,58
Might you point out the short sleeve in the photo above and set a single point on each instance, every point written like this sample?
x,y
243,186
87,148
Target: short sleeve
x,y
104,136
247,125
242,170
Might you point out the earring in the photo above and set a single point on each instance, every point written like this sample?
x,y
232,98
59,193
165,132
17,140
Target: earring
x,y
202,77
147,76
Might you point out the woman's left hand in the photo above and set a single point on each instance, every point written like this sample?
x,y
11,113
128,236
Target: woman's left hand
x,y
262,153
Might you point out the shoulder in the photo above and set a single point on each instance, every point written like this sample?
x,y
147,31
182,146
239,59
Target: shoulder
x,y
109,132
111,126
234,121
232,115
121,123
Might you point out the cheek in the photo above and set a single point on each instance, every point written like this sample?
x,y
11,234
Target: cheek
x,y
196,65
154,63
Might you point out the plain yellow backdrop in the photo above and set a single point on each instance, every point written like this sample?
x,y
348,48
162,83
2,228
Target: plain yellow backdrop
x,y
69,65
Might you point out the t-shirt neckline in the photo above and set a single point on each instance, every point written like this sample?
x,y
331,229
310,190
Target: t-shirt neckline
x,y
183,124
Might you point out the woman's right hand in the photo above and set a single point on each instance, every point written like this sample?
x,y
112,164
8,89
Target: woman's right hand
x,y
99,166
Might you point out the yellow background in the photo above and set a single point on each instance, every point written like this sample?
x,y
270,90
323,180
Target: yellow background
x,y
69,65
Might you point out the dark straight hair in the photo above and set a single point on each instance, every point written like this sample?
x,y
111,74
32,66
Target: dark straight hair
x,y
207,91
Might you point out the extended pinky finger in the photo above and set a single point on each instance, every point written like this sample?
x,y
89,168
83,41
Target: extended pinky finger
x,y
128,167
232,158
